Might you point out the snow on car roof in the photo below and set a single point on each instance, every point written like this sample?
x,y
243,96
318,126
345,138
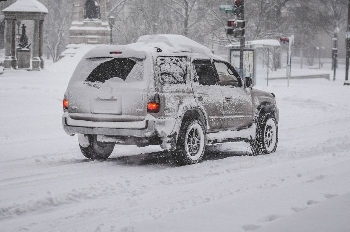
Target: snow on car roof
x,y
174,43
150,44
27,6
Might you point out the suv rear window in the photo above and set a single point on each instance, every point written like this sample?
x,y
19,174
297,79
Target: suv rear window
x,y
171,69
102,69
113,68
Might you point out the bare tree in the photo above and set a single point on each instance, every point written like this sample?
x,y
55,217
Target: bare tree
x,y
267,19
56,27
115,6
331,15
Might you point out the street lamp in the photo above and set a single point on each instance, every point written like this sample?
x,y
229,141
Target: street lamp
x,y
335,52
319,56
347,48
111,22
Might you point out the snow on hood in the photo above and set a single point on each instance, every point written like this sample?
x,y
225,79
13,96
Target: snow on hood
x,y
174,43
27,6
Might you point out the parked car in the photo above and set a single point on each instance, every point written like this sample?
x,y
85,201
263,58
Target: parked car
x,y
165,90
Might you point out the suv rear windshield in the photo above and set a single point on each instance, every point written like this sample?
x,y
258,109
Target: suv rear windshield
x,y
102,69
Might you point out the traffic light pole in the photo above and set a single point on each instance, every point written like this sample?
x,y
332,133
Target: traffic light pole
x,y
236,27
347,48
241,56
335,53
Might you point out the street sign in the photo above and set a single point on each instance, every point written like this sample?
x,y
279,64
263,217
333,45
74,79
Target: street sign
x,y
226,8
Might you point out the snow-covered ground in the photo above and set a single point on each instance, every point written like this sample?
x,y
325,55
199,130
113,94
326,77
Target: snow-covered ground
x,y
47,185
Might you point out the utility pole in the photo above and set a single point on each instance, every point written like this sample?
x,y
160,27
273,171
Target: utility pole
x,y
241,58
347,47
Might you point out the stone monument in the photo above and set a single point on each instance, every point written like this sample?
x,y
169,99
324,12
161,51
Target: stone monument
x,y
90,23
18,11
23,50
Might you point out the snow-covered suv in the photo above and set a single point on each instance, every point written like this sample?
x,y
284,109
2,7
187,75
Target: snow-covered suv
x,y
165,90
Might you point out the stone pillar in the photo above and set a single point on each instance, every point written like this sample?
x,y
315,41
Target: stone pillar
x,y
103,10
36,46
78,11
41,43
10,44
13,44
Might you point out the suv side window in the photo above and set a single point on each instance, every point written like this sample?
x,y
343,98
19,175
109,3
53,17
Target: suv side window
x,y
205,71
227,75
171,69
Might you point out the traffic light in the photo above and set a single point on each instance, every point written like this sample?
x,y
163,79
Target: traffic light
x,y
284,40
236,28
238,7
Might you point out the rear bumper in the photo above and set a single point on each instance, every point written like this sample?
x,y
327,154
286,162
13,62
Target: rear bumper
x,y
150,131
136,129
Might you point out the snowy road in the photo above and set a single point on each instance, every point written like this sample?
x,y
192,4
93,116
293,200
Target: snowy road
x,y
47,185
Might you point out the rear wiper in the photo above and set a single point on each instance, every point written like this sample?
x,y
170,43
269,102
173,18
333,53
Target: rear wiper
x,y
92,84
99,58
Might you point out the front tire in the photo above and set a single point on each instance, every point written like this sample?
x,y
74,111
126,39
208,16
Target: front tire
x,y
97,150
266,138
190,145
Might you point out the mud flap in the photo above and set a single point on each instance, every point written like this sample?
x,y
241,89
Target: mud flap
x,y
83,140
169,143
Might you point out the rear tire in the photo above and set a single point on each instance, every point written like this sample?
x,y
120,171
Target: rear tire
x,y
190,145
97,150
266,138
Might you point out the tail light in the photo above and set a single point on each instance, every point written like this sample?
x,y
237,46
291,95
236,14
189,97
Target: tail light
x,y
153,105
65,104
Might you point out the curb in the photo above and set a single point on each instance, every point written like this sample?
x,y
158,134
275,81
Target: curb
x,y
323,76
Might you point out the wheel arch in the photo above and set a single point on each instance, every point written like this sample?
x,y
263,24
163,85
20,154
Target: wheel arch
x,y
196,114
266,107
191,113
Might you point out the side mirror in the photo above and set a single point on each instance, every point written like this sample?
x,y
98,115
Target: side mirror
x,y
248,82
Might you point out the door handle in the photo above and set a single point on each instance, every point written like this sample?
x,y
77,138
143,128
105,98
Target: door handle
x,y
228,98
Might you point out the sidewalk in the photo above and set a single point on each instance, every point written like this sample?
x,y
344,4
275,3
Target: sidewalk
x,y
305,73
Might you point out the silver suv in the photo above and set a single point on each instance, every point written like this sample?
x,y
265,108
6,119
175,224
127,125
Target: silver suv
x,y
165,90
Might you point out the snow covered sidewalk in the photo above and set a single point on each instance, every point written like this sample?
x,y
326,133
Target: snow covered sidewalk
x,y
297,73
